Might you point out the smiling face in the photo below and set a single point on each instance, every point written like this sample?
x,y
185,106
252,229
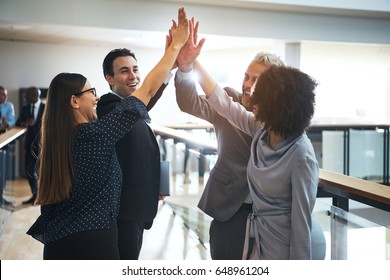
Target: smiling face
x,y
85,104
126,77
252,73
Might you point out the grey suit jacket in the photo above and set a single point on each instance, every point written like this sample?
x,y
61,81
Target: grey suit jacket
x,y
227,186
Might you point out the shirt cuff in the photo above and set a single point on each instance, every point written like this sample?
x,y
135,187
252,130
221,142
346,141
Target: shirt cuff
x,y
168,78
183,76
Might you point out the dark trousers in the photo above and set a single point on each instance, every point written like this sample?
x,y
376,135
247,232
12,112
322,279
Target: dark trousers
x,y
30,161
87,245
130,236
2,173
227,238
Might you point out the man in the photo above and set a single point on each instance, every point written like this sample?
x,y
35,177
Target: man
x,y
7,117
138,153
226,196
7,111
31,117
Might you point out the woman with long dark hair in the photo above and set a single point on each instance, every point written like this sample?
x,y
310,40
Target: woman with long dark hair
x,y
79,174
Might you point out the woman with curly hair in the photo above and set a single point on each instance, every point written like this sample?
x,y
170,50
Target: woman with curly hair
x,y
282,171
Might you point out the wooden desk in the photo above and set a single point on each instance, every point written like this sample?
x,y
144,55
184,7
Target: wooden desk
x,y
11,135
6,138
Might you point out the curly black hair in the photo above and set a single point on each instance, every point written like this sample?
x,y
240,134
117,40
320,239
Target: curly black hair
x,y
285,100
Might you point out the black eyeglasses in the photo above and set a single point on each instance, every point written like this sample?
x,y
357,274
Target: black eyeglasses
x,y
92,90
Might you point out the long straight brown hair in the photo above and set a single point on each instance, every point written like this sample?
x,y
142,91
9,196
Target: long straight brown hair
x,y
55,160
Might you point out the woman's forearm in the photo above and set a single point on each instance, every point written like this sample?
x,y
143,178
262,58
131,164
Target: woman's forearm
x,y
206,82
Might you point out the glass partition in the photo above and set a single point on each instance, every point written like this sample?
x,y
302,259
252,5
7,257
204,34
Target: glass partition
x,y
351,237
348,236
358,151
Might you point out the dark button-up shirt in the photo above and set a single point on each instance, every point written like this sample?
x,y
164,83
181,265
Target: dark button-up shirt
x,y
94,201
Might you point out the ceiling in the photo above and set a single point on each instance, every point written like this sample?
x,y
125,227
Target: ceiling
x,y
96,36
42,32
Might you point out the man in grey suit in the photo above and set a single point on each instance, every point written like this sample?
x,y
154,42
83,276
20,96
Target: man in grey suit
x,y
226,196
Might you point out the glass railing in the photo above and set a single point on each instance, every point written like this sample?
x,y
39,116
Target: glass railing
x,y
195,220
348,236
351,237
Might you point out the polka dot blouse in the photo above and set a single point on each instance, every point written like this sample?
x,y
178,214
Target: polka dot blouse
x,y
94,201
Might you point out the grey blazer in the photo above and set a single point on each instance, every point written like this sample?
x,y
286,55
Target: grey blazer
x,y
227,186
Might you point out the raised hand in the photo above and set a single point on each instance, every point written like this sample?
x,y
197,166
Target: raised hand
x,y
191,50
179,32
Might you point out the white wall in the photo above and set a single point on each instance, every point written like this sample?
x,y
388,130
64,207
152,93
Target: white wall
x,y
34,64
353,79
28,64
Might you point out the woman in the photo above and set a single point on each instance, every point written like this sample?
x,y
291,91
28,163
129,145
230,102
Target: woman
x,y
282,170
80,177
